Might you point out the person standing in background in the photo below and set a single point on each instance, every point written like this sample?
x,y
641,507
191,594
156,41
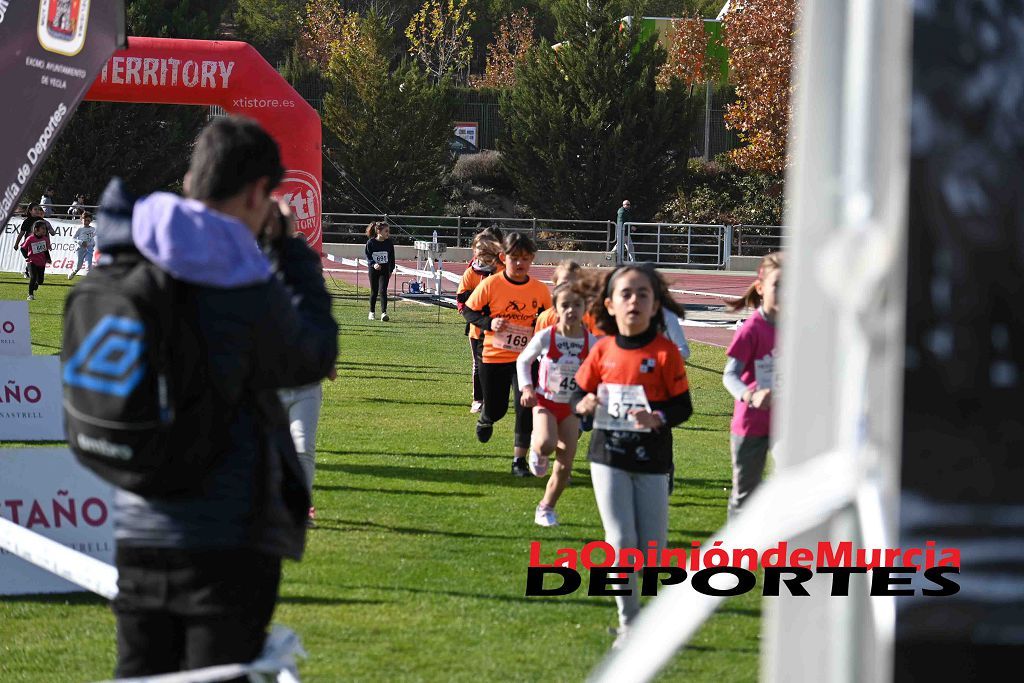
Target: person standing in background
x,y
380,260
77,206
622,218
46,201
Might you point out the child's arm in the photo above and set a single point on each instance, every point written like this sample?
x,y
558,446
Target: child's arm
x,y
464,291
477,311
524,365
670,413
674,330
588,377
532,352
731,379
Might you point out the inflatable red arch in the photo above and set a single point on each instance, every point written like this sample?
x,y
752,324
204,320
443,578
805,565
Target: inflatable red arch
x,y
234,76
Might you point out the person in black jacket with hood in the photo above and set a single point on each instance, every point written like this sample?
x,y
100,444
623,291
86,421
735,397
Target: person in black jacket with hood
x,y
199,572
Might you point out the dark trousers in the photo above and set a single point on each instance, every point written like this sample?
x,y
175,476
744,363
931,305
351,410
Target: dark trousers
x,y
496,379
476,349
179,610
35,277
379,286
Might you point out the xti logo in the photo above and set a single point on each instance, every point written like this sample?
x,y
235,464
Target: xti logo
x,y
109,361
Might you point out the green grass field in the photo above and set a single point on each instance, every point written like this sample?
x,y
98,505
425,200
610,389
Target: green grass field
x,y
416,570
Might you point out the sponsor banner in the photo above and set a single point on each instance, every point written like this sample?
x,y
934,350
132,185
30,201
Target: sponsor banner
x,y
53,49
234,76
30,399
301,191
63,248
467,130
45,491
15,335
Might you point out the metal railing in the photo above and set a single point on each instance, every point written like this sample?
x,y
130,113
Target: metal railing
x,y
666,244
58,210
756,240
679,244
458,231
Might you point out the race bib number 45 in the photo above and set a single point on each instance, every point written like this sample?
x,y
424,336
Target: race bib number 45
x,y
561,381
512,337
616,401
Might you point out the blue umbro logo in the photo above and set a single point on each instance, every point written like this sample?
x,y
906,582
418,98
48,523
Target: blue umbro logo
x,y
110,359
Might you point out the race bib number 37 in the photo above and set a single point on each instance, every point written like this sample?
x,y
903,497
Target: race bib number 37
x,y
512,337
616,401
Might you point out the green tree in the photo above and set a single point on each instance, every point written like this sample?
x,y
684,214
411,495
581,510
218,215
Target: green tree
x,y
439,36
586,126
147,144
270,26
391,130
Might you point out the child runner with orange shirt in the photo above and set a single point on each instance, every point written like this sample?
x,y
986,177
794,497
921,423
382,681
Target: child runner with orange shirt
x,y
486,262
634,382
505,307
560,348
569,271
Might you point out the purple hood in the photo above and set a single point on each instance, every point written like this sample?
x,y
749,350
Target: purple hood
x,y
196,244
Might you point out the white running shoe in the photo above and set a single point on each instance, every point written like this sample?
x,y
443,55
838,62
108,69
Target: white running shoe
x,y
31,297
476,407
70,275
545,516
370,317
384,317
538,463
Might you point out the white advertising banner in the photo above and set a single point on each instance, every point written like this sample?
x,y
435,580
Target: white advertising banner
x,y
15,335
47,492
31,398
467,130
63,249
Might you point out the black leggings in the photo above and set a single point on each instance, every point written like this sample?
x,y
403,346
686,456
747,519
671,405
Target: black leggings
x,y
496,379
35,277
379,286
476,349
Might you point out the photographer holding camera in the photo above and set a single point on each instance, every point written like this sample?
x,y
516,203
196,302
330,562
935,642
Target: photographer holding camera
x,y
199,565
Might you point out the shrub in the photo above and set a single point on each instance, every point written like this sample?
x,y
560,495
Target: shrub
x,y
483,168
718,192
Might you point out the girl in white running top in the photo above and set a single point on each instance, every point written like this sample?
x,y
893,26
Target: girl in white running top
x,y
560,348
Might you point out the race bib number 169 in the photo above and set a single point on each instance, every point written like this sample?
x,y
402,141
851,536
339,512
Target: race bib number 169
x,y
512,337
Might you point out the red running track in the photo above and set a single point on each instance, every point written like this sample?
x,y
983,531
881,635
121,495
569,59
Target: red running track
x,y
689,288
